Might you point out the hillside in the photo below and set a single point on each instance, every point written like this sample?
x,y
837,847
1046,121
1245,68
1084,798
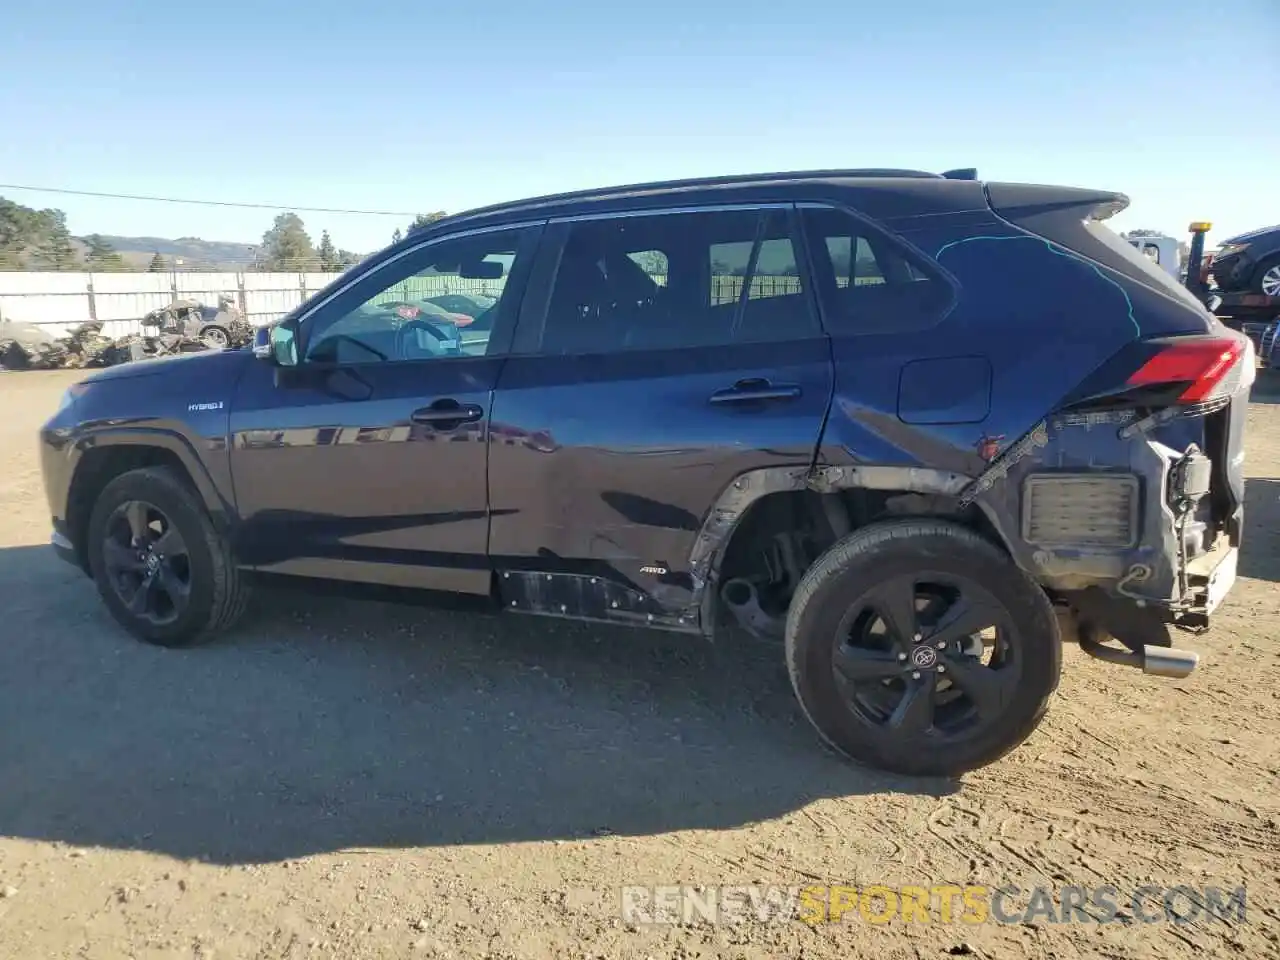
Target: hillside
x,y
194,252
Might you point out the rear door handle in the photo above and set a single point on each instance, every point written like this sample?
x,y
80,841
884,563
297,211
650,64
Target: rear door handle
x,y
446,412
756,388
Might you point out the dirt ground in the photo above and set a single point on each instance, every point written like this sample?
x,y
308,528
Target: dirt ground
x,y
355,779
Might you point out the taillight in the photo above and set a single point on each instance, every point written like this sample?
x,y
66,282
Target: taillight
x,y
1204,364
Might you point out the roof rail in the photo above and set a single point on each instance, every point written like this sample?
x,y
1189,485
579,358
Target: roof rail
x,y
588,194
963,173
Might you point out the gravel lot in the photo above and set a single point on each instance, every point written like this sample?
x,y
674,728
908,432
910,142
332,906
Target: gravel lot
x,y
355,779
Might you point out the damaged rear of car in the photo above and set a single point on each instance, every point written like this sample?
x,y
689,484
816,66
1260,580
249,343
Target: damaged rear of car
x,y
1036,436
1130,511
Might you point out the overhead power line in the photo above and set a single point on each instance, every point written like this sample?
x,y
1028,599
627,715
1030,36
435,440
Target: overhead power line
x,y
205,203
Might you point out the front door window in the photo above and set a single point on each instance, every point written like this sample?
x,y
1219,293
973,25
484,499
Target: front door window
x,y
436,303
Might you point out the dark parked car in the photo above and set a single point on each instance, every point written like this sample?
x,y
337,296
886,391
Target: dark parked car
x,y
918,429
1249,263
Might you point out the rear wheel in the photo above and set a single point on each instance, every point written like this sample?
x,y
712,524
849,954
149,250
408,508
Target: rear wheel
x,y
919,647
162,569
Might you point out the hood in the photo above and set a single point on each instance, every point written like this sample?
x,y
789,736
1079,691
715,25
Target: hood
x,y
202,364
1251,235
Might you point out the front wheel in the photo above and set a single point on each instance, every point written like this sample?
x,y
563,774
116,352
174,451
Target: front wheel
x,y
919,647
216,338
1266,279
162,569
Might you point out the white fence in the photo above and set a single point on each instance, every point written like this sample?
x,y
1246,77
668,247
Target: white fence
x,y
59,301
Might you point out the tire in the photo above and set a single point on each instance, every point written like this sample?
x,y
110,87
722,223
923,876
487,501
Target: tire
x,y
195,570
215,337
1266,278
976,713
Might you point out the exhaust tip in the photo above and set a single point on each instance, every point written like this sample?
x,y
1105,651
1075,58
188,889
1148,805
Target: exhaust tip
x,y
1169,662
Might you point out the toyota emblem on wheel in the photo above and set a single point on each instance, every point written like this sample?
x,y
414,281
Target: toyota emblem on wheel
x,y
923,657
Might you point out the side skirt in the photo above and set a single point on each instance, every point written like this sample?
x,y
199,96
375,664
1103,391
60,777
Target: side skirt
x,y
585,597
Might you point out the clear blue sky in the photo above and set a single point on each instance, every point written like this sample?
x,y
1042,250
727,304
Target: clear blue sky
x,y
419,106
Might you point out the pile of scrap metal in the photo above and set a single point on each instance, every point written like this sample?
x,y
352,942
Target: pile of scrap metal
x,y
182,327
26,346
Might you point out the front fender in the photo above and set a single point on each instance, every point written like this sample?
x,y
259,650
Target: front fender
x,y
216,496
119,422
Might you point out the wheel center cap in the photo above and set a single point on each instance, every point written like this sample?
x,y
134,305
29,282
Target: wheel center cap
x,y
153,562
924,657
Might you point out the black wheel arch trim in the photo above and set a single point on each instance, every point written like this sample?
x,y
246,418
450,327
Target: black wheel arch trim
x,y
219,505
725,516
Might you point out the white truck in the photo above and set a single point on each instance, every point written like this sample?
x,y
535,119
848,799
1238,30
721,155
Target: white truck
x,y
1163,250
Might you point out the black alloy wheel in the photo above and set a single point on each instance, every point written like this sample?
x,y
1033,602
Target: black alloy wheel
x,y
927,654
919,646
165,570
147,563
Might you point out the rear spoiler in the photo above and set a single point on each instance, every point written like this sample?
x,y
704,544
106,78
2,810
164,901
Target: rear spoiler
x,y
1031,198
1018,201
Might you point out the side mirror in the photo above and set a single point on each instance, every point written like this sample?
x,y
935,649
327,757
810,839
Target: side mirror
x,y
262,343
284,345
278,343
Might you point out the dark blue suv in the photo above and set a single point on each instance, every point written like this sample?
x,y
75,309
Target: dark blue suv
x,y
917,428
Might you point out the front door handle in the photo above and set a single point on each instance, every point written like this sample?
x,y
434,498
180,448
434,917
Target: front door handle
x,y
447,413
756,388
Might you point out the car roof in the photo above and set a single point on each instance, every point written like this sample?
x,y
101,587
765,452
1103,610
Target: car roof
x,y
958,185
581,201
1252,234
954,191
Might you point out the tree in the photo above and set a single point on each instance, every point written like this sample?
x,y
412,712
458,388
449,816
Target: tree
x,y
425,220
328,254
17,233
286,245
157,264
34,239
101,255
53,250
397,236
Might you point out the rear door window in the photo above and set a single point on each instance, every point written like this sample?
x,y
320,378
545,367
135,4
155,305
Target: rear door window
x,y
866,282
666,281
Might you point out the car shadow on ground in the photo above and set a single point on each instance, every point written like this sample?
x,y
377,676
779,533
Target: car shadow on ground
x,y
1260,545
324,724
